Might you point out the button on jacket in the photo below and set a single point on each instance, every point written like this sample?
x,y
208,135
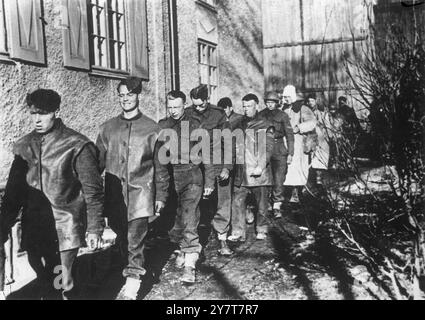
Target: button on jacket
x,y
133,174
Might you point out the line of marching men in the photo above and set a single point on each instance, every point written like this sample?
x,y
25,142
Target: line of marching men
x,y
56,178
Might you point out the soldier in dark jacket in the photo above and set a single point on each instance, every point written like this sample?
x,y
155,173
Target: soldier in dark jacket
x,y
282,155
56,180
255,174
188,183
133,177
209,118
225,188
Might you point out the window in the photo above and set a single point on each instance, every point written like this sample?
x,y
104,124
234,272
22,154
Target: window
x,y
106,37
22,31
4,52
208,67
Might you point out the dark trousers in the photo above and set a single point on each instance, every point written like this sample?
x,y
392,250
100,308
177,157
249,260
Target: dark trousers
x,y
279,165
136,242
239,209
131,238
222,218
188,182
54,270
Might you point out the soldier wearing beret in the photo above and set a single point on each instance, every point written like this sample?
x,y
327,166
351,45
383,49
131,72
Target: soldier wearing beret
x,y
56,180
133,176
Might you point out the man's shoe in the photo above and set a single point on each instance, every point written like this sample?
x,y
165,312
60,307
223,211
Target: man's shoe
x,y
179,259
261,236
250,215
277,213
122,296
189,276
236,238
295,197
224,250
130,290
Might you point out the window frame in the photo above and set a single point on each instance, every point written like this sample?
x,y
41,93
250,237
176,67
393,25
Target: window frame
x,y
4,55
100,71
206,4
212,88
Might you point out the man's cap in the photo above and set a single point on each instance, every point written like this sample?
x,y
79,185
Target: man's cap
x,y
133,84
271,96
44,99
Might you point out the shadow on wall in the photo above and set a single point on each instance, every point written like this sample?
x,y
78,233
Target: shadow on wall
x,y
241,46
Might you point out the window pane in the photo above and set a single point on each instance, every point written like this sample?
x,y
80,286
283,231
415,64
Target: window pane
x,y
109,34
3,34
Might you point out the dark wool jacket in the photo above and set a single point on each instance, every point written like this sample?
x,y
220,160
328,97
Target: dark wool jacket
x,y
282,125
210,119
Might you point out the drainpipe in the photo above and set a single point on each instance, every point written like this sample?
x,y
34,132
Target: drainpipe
x,y
174,44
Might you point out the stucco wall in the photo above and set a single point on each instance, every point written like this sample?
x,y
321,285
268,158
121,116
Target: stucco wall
x,y
240,49
87,101
188,47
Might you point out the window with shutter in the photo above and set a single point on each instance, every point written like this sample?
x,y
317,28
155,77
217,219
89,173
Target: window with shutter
x,y
75,34
117,38
26,39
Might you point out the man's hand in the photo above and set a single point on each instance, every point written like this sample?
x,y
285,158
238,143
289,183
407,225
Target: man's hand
x,y
208,192
94,241
290,158
224,175
159,207
256,172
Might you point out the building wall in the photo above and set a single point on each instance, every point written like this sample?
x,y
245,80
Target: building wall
x,y
308,42
241,49
87,101
240,52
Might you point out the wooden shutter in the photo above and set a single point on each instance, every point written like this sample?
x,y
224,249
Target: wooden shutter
x,y
137,34
76,53
26,34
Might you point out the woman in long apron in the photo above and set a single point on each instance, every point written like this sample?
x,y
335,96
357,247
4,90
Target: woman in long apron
x,y
302,121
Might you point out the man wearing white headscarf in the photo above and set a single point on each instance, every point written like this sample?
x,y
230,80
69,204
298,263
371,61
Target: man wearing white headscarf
x,y
302,121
